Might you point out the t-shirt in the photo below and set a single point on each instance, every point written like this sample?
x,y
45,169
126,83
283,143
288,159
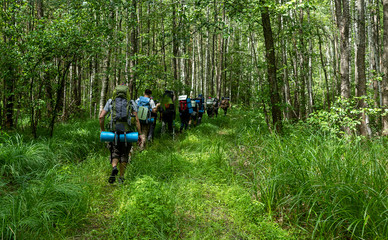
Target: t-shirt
x,y
108,106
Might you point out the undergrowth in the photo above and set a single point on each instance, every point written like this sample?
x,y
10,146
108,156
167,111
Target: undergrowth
x,y
41,195
228,178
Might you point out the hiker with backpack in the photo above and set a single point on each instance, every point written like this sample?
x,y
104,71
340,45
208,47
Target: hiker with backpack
x,y
145,106
167,111
194,115
123,121
201,108
224,104
154,115
185,111
210,107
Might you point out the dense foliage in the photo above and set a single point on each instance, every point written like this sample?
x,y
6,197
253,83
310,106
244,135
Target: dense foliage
x,y
61,59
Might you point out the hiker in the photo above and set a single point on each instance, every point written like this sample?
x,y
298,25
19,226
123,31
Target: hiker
x,y
185,111
194,115
154,115
123,119
201,109
210,107
145,105
167,111
224,104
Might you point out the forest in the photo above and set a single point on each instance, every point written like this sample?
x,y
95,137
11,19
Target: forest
x,y
300,155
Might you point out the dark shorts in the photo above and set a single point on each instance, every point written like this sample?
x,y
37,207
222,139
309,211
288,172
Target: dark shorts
x,y
121,152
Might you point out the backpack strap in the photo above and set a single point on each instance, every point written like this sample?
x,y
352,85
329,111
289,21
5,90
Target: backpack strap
x,y
111,114
125,139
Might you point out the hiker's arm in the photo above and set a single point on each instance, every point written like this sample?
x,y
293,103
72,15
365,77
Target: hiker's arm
x,y
137,123
101,119
155,109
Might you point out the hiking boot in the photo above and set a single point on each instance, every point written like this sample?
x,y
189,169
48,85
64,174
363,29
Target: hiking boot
x,y
121,180
112,177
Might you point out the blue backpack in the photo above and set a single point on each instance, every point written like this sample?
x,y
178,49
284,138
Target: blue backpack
x,y
144,109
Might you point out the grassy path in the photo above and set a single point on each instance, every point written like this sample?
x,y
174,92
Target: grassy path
x,y
182,189
225,179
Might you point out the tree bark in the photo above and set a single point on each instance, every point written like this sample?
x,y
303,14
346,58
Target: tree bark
x,y
343,22
323,64
361,83
271,65
385,67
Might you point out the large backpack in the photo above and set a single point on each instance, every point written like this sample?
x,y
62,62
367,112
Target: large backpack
x,y
210,103
168,106
120,117
224,103
144,109
200,103
194,105
185,104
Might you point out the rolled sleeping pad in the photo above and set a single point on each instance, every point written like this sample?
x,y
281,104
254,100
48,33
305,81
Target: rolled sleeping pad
x,y
110,136
150,120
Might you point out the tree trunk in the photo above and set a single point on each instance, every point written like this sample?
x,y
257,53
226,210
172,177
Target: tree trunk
x,y
105,80
361,83
343,22
59,94
175,45
323,64
310,75
271,65
385,66
132,80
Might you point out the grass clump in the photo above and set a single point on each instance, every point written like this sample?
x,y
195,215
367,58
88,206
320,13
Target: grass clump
x,y
326,186
41,194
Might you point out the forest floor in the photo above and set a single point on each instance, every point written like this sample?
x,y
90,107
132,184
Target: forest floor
x,y
188,187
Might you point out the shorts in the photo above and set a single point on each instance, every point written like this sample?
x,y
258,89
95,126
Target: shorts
x,y
120,151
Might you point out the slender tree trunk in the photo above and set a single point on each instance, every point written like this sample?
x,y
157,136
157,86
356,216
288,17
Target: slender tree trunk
x,y
207,56
175,45
323,64
105,80
132,80
310,75
271,65
60,93
361,86
343,22
385,66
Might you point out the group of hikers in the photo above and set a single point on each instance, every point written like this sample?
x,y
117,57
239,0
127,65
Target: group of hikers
x,y
128,116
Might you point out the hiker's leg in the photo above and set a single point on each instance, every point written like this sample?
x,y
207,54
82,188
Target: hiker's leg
x,y
125,158
170,125
163,130
115,161
151,132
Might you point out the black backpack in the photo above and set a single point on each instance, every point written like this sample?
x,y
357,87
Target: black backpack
x,y
167,103
120,118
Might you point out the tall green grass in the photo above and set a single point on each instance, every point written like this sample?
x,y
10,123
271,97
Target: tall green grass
x,y
41,194
187,189
228,178
327,186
